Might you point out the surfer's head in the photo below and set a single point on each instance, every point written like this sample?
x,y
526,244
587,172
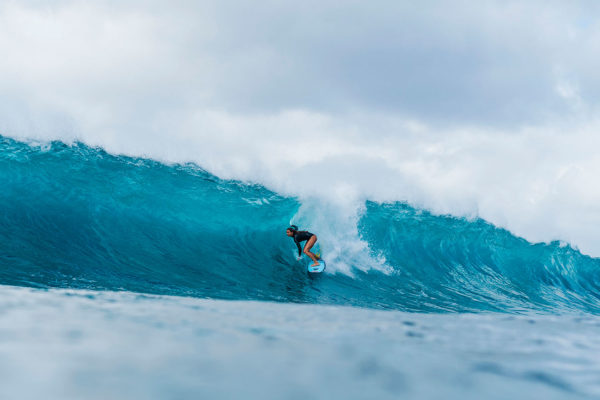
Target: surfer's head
x,y
291,230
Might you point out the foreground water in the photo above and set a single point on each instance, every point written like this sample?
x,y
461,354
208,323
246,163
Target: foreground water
x,y
73,344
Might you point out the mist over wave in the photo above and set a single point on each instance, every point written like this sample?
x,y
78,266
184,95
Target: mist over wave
x,y
78,217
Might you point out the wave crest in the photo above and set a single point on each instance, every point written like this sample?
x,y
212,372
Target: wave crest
x,y
76,216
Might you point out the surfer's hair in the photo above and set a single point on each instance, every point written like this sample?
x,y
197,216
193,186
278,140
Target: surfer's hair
x,y
293,228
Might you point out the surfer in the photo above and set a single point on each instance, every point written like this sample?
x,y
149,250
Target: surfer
x,y
301,236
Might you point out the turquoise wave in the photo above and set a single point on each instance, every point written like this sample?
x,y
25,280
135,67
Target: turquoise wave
x,y
74,216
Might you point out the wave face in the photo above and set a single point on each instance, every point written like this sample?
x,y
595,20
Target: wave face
x,y
74,216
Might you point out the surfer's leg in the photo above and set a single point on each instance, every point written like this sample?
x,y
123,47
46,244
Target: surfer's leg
x,y
309,244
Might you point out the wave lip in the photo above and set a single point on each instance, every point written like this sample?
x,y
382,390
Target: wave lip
x,y
75,216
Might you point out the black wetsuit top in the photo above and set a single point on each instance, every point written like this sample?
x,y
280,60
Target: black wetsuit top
x,y
301,236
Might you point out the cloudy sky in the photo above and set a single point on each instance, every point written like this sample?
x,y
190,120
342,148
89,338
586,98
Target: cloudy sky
x,y
484,108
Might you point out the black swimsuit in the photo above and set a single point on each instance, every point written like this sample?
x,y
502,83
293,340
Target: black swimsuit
x,y
301,236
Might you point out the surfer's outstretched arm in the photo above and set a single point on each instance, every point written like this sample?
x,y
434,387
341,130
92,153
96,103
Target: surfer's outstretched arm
x,y
299,248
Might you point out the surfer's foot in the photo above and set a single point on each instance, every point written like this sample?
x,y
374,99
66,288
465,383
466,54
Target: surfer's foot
x,y
315,264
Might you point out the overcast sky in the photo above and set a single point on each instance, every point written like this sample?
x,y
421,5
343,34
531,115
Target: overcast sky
x,y
499,63
480,108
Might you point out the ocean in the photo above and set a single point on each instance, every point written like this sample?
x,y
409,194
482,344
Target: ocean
x,y
127,277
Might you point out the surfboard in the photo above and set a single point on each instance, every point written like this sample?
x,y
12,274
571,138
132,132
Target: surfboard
x,y
318,269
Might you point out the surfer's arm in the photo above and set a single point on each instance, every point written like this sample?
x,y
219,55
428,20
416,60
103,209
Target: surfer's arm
x,y
299,249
